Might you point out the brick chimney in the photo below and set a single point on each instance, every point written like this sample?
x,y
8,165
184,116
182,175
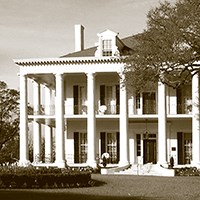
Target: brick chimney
x,y
79,37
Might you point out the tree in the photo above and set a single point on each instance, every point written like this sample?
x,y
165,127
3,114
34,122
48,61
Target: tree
x,y
9,123
168,49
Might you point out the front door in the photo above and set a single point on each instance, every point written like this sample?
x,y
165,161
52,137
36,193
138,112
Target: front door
x,y
149,149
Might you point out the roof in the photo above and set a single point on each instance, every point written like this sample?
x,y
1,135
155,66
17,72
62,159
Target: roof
x,y
84,53
129,44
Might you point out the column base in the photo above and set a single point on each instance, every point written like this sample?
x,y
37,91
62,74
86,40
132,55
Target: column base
x,y
48,158
123,163
163,164
92,163
24,163
61,164
195,164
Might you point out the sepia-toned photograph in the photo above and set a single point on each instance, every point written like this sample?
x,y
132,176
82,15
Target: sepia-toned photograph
x,y
99,99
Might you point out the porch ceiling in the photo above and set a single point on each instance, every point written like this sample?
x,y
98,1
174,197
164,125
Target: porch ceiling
x,y
46,79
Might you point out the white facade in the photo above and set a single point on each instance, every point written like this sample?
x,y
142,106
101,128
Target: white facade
x,y
82,110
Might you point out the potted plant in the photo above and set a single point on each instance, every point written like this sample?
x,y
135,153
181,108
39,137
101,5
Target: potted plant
x,y
105,157
171,162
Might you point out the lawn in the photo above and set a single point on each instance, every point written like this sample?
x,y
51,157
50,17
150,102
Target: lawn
x,y
113,187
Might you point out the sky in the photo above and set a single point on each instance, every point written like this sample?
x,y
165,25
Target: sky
x,y
45,28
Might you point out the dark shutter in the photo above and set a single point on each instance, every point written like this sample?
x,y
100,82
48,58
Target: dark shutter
x,y
102,94
75,95
180,148
138,100
103,142
118,147
76,147
138,141
179,100
117,99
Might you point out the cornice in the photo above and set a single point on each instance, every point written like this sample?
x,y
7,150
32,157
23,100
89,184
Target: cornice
x,y
67,61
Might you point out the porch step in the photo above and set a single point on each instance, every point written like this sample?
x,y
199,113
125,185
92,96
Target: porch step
x,y
148,169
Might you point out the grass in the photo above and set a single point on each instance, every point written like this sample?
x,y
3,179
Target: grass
x,y
115,187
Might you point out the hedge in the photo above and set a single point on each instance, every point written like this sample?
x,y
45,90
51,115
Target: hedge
x,y
31,177
187,171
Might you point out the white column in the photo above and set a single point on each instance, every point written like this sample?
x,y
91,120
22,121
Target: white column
x,y
48,144
132,151
36,123
47,107
59,103
24,157
48,128
123,124
195,121
91,121
162,124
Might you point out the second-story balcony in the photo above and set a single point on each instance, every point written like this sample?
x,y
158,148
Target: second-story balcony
x,y
45,110
147,109
78,110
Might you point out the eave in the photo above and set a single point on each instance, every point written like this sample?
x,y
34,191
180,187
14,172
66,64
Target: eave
x,y
67,61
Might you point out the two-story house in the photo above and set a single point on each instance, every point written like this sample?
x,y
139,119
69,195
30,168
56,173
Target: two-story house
x,y
80,102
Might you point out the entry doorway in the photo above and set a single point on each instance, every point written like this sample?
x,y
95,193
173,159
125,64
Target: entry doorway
x,y
149,151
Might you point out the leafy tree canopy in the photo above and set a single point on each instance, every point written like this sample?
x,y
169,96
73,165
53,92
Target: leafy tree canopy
x,y
168,49
9,123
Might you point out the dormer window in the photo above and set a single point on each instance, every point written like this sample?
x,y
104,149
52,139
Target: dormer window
x,y
109,44
107,47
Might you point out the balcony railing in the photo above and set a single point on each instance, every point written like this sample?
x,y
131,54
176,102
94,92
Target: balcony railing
x,y
45,110
184,108
109,110
150,110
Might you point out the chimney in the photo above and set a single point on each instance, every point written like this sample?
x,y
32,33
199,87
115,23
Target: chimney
x,y
79,37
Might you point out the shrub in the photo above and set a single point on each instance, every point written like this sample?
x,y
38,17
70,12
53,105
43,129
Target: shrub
x,y
187,171
31,177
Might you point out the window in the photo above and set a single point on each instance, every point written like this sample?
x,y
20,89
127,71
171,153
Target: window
x,y
107,47
109,96
110,144
80,147
184,99
184,147
80,97
149,103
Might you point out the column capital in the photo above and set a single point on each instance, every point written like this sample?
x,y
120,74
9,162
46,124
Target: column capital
x,y
93,74
58,76
22,74
196,72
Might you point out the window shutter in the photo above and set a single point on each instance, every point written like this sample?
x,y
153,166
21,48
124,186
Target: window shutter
x,y
75,95
103,142
76,147
180,147
179,100
117,99
102,94
118,147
